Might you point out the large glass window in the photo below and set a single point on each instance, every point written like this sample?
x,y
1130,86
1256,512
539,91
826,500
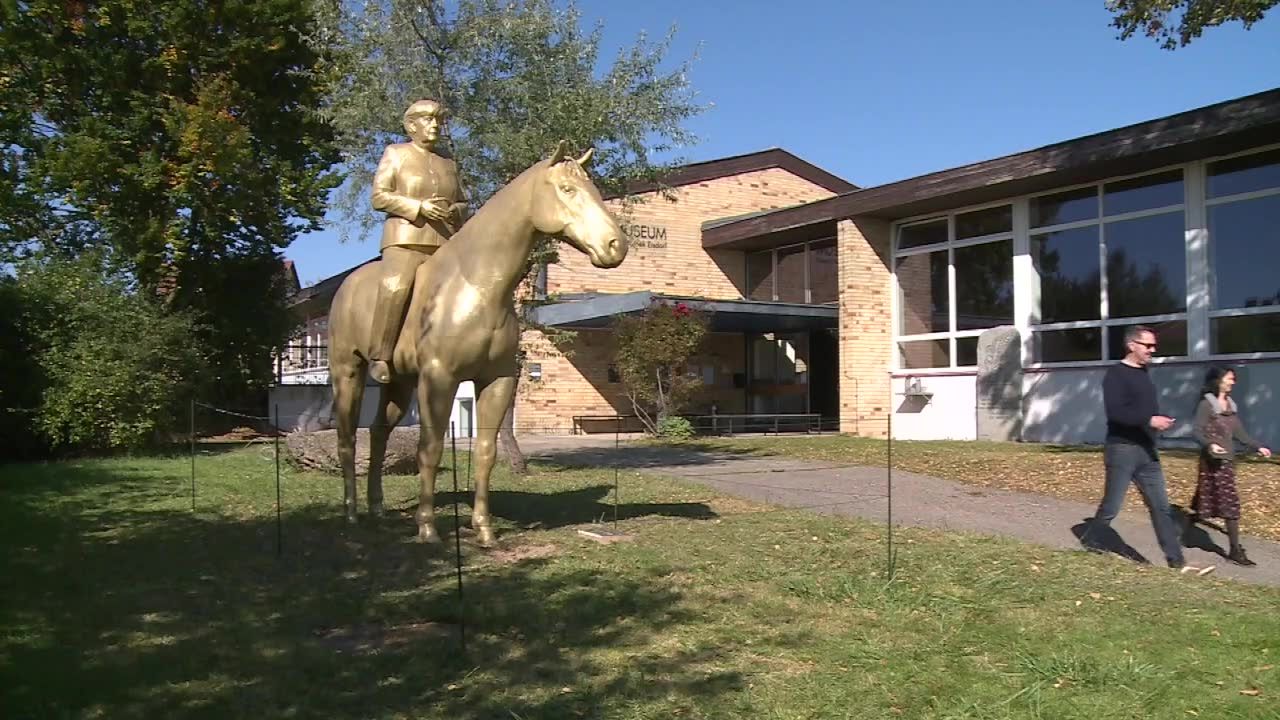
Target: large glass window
x,y
1147,266
824,273
955,279
1108,256
1102,259
984,285
805,273
1244,253
924,299
792,277
1067,262
760,275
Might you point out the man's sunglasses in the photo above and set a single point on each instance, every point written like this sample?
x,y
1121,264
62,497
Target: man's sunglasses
x,y
1149,346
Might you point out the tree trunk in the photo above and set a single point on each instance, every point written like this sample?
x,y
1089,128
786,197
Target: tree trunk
x,y
507,439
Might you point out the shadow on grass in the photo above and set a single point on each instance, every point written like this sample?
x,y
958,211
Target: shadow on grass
x,y
639,456
544,511
116,611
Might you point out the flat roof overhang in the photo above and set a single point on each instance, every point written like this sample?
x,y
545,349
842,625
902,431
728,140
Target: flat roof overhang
x,y
745,316
1221,129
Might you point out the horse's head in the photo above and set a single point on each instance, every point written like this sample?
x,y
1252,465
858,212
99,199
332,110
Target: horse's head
x,y
567,205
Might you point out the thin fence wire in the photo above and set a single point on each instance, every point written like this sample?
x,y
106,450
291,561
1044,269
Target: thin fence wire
x,y
595,452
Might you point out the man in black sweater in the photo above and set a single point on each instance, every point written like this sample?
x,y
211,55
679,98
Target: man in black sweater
x,y
1130,455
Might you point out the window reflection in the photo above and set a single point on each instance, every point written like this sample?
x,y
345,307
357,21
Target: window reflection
x,y
927,233
990,221
824,284
1064,207
760,275
918,354
1171,339
1147,266
1245,334
923,282
1070,282
790,280
1244,238
1068,345
1233,176
1143,193
984,285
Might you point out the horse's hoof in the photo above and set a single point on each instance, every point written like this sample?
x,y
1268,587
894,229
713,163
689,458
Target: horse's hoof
x,y
376,511
484,536
427,536
351,518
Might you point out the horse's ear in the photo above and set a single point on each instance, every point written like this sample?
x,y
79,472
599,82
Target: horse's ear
x,y
582,161
559,153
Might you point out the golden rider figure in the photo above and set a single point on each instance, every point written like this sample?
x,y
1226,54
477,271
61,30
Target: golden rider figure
x,y
420,193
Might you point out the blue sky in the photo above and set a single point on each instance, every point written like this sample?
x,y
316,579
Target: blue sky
x,y
879,91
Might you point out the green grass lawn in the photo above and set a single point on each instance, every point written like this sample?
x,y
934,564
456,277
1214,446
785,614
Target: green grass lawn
x,y
119,602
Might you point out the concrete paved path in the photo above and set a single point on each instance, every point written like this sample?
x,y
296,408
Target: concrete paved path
x,y
918,500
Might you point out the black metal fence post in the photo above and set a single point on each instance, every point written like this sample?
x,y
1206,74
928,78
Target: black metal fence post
x,y
279,521
889,481
193,454
457,539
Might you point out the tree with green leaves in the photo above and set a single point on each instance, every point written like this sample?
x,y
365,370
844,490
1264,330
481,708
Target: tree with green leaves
x,y
653,350
515,77
92,362
183,139
1175,23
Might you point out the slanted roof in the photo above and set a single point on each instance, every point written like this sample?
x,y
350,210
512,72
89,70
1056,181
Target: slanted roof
x,y
315,299
751,162
291,276
1220,129
750,316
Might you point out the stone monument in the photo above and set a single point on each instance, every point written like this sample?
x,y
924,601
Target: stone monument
x,y
1000,384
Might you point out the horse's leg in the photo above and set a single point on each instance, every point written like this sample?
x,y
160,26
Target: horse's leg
x,y
493,399
348,393
435,400
393,402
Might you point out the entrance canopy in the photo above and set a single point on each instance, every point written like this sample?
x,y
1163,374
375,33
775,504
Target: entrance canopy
x,y
744,316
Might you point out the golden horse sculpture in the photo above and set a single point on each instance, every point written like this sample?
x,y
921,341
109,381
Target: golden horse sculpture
x,y
460,325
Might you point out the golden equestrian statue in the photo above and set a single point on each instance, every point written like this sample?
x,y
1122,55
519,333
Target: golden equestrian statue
x,y
419,191
461,325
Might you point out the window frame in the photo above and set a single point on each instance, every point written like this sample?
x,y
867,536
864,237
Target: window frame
x,y
773,275
951,335
1198,243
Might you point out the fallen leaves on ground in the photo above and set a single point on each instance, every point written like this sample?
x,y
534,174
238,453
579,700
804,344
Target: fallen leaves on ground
x,y
1066,472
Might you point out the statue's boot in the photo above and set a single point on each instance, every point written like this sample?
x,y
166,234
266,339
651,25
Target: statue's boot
x,y
398,268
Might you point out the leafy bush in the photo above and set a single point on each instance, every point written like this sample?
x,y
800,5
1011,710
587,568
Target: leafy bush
x,y
112,368
675,428
653,349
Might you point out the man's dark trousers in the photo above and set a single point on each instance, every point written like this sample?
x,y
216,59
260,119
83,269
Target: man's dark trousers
x,y
1125,463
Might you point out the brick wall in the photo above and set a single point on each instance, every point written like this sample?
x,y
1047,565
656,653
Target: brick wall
x,y
682,267
865,331
578,384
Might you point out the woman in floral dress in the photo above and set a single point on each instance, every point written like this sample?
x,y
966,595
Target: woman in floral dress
x,y
1216,427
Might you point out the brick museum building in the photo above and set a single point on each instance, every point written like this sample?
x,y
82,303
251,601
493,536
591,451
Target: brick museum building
x,y
856,306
